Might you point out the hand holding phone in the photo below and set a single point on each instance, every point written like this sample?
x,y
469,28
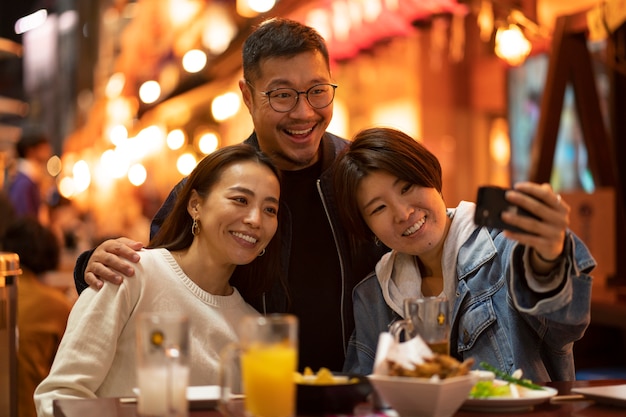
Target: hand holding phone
x,y
490,203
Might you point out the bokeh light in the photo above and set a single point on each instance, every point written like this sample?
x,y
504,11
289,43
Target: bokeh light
x,y
186,163
149,92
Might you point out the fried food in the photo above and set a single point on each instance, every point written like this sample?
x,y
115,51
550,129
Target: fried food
x,y
323,377
444,366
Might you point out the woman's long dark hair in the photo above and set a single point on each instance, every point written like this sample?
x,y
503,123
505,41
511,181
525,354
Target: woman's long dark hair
x,y
175,234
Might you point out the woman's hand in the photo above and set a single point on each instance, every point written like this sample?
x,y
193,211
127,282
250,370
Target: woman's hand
x,y
546,234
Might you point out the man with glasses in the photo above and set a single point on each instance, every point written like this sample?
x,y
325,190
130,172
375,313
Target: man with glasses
x,y
288,91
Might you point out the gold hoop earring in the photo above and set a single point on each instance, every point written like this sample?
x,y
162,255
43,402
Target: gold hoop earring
x,y
262,252
195,228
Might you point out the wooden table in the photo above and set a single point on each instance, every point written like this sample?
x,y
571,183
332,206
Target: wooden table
x,y
113,407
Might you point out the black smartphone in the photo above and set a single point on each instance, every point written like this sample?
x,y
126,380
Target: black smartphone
x,y
490,203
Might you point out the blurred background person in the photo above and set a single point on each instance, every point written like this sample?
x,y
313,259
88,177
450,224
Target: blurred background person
x,y
26,186
42,311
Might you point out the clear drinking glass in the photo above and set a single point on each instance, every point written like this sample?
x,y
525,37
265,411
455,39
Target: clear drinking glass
x,y
428,318
162,365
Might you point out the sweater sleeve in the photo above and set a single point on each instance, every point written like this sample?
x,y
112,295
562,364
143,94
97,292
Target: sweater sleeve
x,y
89,344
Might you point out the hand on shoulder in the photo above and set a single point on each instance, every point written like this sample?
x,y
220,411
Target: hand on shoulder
x,y
109,261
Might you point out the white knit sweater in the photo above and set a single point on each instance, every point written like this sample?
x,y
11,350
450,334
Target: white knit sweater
x,y
96,357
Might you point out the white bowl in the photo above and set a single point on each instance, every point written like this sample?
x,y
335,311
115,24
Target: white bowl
x,y
423,397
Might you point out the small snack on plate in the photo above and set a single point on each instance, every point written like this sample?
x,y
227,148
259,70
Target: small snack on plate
x,y
504,386
414,358
442,366
516,378
487,389
323,377
413,381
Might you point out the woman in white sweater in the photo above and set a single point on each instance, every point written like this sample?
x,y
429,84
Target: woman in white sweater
x,y
224,220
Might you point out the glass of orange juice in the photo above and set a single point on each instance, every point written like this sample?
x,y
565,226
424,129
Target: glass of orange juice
x,y
260,369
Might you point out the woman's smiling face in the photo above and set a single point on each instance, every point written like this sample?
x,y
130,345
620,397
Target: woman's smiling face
x,y
404,216
239,216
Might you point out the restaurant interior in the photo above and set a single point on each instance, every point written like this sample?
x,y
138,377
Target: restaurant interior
x,y
134,93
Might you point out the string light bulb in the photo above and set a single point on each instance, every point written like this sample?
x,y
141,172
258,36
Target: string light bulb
x,y
511,44
251,8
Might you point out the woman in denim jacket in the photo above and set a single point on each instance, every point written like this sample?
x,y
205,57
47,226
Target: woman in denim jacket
x,y
518,300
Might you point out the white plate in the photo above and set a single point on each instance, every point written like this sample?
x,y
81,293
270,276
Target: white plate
x,y
609,394
509,405
200,397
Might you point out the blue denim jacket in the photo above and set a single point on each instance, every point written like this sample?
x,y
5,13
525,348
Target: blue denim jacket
x,y
496,317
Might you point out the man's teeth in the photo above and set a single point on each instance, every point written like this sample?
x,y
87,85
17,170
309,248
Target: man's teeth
x,y
299,132
414,228
245,237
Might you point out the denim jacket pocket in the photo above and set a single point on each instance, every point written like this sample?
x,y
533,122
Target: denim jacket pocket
x,y
474,322
483,336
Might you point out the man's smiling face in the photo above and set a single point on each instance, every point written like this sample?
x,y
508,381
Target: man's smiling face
x,y
291,139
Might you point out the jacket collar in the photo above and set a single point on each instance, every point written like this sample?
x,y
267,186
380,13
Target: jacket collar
x,y
467,245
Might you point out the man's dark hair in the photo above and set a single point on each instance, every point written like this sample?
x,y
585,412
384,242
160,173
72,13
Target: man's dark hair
x,y
278,37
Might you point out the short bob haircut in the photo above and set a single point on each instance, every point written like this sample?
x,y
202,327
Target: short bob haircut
x,y
175,234
380,149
